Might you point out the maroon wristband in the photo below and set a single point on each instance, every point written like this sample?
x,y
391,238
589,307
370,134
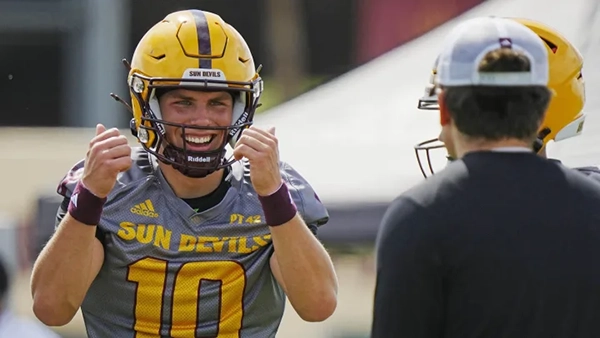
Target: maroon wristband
x,y
279,208
85,206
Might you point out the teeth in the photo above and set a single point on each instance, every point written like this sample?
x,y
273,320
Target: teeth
x,y
198,140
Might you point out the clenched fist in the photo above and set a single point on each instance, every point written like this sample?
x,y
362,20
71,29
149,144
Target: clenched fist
x,y
108,155
261,149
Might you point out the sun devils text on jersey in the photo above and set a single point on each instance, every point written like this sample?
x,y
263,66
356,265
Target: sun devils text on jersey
x,y
184,273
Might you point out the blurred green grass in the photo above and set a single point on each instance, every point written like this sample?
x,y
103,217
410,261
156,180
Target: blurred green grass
x,y
272,95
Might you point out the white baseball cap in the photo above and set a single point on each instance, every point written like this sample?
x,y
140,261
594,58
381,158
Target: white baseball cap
x,y
469,42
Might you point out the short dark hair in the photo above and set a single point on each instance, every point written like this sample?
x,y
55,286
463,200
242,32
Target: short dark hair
x,y
494,113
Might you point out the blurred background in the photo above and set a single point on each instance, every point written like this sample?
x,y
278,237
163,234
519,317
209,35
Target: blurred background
x,y
342,80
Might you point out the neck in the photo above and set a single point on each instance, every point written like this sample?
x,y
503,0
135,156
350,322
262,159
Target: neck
x,y
542,152
465,145
188,187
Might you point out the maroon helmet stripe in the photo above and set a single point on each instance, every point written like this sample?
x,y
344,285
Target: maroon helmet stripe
x,y
203,38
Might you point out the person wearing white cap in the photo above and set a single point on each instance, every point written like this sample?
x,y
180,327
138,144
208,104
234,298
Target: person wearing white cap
x,y
501,242
565,116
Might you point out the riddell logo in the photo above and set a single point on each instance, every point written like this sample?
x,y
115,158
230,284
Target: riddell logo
x,y
198,159
144,209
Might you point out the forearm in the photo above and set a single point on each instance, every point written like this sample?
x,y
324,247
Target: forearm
x,y
64,271
306,269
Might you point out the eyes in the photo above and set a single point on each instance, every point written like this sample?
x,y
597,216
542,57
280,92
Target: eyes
x,y
212,103
183,108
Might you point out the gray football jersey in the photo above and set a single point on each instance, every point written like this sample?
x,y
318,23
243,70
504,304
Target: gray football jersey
x,y
171,272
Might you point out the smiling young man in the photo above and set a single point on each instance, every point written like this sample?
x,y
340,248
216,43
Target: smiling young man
x,y
175,238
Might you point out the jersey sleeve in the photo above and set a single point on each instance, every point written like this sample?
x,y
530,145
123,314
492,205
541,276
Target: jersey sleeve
x,y
61,212
69,181
65,189
306,199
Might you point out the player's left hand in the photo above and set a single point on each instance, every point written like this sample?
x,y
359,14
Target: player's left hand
x,y
261,149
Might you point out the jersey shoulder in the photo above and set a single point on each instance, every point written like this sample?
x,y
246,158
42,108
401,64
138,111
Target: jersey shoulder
x,y
310,206
592,172
141,168
304,196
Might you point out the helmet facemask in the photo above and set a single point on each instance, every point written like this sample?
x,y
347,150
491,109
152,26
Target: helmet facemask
x,y
429,101
427,147
191,163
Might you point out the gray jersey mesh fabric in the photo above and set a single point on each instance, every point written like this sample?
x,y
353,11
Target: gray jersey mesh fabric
x,y
171,272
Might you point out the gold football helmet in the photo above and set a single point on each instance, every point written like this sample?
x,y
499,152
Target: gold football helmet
x,y
564,117
197,50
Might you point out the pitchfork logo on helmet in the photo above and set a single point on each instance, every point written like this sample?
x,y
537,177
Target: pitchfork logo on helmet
x,y
191,49
564,117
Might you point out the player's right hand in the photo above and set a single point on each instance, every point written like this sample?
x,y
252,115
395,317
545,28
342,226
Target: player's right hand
x,y
108,155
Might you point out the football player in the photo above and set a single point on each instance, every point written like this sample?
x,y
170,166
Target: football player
x,y
176,238
564,118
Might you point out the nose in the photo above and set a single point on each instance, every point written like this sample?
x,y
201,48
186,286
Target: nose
x,y
200,116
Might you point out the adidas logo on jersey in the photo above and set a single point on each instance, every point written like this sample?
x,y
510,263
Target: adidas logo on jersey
x,y
144,209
